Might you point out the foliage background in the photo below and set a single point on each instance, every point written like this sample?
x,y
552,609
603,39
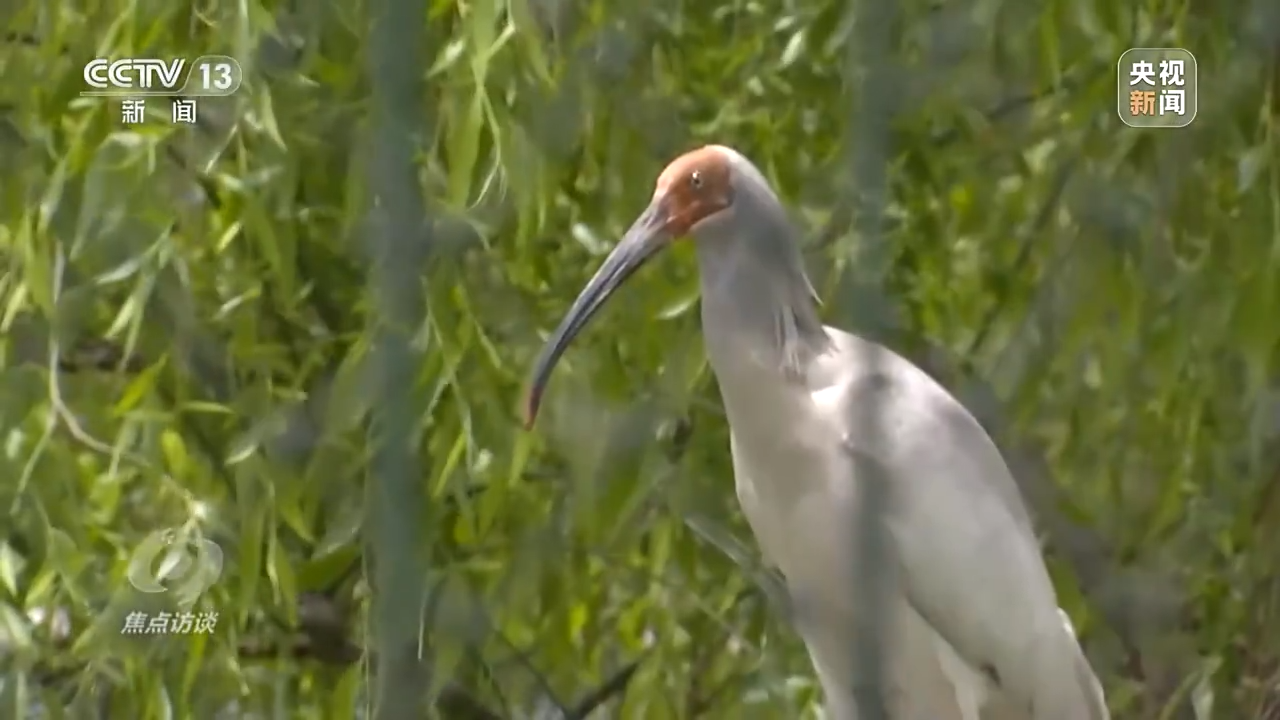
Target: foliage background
x,y
187,333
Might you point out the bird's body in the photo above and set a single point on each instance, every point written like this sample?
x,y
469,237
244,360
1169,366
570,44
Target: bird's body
x,y
800,492
973,630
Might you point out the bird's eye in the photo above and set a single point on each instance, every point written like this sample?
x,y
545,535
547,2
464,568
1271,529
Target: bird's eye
x,y
695,179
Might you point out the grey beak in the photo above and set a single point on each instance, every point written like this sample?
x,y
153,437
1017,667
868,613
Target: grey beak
x,y
646,236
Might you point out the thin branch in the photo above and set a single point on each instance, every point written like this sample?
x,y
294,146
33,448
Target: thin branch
x,y
613,687
1032,235
61,415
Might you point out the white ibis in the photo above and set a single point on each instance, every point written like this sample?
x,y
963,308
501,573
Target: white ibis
x,y
974,630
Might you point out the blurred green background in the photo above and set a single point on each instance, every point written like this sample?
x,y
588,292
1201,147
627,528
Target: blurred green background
x,y
189,332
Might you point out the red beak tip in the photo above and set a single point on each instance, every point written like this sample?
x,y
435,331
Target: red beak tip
x,y
530,413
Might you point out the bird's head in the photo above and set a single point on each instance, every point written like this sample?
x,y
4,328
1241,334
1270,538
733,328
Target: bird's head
x,y
700,195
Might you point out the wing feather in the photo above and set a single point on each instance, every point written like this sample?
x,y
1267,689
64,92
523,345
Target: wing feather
x,y
968,558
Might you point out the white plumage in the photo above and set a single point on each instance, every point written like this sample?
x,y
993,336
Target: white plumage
x,y
974,632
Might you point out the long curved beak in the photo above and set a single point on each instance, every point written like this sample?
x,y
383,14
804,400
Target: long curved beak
x,y
643,240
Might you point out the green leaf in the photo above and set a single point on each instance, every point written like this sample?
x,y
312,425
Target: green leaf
x,y
136,390
283,581
252,537
11,566
175,453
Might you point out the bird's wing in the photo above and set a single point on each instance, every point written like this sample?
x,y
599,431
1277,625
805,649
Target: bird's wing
x,y
869,357
968,561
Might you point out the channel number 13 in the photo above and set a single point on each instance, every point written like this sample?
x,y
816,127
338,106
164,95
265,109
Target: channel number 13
x,y
217,75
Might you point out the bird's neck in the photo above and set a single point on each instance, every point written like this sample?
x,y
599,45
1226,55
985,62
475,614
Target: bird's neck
x,y
759,314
